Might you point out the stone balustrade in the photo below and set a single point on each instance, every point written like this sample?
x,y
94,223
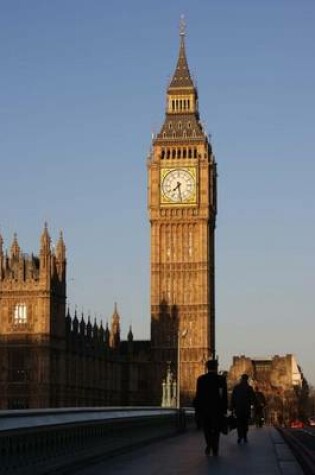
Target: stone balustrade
x,y
50,440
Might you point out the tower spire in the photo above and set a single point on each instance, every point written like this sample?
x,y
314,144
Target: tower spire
x,y
182,114
181,77
45,239
60,248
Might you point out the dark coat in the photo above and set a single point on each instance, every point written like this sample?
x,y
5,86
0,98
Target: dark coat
x,y
243,397
211,395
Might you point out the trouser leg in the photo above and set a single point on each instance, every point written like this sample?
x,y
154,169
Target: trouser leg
x,y
245,429
240,427
212,434
215,439
206,430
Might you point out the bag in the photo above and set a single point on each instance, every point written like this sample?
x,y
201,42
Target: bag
x,y
228,423
231,422
224,427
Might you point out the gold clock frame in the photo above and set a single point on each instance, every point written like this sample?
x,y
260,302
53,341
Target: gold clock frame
x,y
164,200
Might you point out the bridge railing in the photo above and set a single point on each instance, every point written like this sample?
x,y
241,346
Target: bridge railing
x,y
47,440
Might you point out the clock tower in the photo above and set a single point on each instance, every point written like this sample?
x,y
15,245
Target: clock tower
x,y
182,212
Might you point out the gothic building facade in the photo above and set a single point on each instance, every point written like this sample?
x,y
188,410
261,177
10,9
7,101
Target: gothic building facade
x,y
49,359
32,323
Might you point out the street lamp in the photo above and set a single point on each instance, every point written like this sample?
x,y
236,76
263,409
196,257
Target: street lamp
x,y
180,335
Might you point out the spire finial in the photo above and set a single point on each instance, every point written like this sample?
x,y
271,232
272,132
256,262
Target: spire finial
x,y
181,77
182,27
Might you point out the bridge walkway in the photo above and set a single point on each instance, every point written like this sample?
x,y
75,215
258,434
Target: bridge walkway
x,y
265,454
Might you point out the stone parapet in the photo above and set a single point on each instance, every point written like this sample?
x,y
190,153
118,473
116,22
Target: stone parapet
x,y
47,441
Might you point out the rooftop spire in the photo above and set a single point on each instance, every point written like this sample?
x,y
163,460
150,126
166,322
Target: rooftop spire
x,y
115,314
115,329
15,248
130,334
45,238
61,248
181,77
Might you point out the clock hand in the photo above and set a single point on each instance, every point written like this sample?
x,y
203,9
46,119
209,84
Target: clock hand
x,y
177,186
180,194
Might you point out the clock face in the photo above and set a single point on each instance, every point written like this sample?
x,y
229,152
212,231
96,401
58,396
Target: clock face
x,y
178,185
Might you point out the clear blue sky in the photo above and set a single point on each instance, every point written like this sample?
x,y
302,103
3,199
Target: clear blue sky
x,y
82,87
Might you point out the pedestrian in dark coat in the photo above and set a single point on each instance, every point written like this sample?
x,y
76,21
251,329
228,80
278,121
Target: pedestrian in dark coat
x,y
211,405
243,398
260,405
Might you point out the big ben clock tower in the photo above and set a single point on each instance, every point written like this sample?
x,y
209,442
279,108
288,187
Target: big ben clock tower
x,y
182,212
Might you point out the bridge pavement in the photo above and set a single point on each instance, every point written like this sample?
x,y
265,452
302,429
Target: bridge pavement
x,y
265,454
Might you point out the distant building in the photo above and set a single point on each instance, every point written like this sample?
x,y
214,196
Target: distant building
x,y
279,378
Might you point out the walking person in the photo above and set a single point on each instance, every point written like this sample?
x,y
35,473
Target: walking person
x,y
211,405
243,398
260,405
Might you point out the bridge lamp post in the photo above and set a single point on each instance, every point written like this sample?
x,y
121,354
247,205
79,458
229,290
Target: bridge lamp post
x,y
181,335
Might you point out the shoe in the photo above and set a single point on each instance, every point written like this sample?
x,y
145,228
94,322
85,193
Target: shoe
x,y
207,450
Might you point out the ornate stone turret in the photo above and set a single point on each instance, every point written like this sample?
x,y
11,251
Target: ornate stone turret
x,y
17,264
130,341
45,255
115,329
89,328
107,335
45,241
15,248
75,323
96,330
101,333
61,258
130,335
68,322
82,326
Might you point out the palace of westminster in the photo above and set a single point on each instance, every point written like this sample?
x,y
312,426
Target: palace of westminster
x,y
49,358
